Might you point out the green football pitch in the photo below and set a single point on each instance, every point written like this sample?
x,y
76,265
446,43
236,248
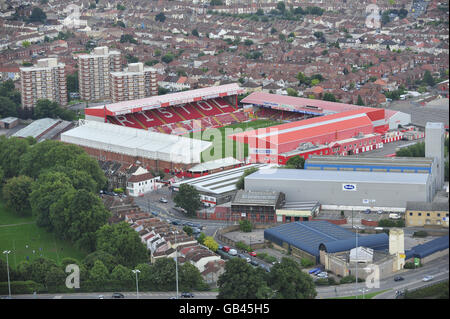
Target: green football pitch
x,y
224,147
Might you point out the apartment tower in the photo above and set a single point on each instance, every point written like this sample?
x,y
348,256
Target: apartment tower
x,y
94,73
45,80
134,82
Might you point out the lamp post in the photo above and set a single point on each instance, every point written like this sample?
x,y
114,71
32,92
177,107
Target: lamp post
x,y
136,272
6,252
176,262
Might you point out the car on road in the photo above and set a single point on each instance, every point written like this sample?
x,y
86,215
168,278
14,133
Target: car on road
x,y
247,259
252,253
155,213
358,227
232,252
394,216
226,249
380,212
117,295
196,231
175,222
173,297
367,211
199,226
190,224
101,297
163,200
187,295
427,278
254,262
398,278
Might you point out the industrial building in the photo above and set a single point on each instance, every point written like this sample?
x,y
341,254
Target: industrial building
x,y
345,189
257,206
217,188
44,129
429,251
307,239
109,142
420,214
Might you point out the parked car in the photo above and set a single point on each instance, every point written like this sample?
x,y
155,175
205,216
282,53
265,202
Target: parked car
x,y
196,231
254,263
380,212
322,275
247,259
312,271
252,253
266,268
190,224
378,228
226,249
155,213
367,211
198,226
117,295
427,278
232,252
398,278
163,200
394,216
187,295
175,222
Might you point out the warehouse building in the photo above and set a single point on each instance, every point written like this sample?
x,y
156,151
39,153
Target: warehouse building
x,y
345,190
429,251
218,188
109,142
257,206
307,239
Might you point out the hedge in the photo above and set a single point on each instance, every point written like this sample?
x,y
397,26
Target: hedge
x,y
20,287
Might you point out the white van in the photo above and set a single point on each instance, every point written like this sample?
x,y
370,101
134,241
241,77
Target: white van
x,y
232,252
394,216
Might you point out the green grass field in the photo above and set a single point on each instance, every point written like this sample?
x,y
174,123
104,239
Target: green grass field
x,y
16,233
222,145
366,296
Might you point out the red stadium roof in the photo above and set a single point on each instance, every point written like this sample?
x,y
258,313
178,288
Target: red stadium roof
x,y
309,128
290,103
165,100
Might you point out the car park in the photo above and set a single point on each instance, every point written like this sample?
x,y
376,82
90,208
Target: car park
x,y
398,278
427,278
187,295
117,295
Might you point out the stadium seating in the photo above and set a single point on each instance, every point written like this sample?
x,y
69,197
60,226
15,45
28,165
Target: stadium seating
x,y
167,115
225,119
148,119
224,105
188,111
127,120
241,116
207,108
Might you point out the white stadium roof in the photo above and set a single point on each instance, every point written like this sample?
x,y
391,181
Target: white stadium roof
x,y
136,142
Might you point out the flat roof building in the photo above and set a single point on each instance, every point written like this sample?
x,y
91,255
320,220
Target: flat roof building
x,y
344,189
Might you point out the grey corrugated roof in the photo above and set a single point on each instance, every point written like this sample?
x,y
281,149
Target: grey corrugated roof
x,y
352,160
434,206
339,176
245,197
378,241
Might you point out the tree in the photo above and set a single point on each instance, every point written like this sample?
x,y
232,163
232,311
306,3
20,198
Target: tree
x,y
428,78
240,182
46,108
55,277
11,150
121,241
160,17
245,226
99,273
188,198
188,230
248,42
120,7
216,3
72,82
37,15
360,101
314,82
282,37
108,260
7,107
123,274
26,44
297,162
76,217
281,6
273,30
163,274
2,174
290,282
195,33
291,92
47,190
16,194
327,96
167,58
211,243
318,34
242,281
385,18
190,278
260,12
201,238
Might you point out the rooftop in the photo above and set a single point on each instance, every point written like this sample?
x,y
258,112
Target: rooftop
x,y
245,197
